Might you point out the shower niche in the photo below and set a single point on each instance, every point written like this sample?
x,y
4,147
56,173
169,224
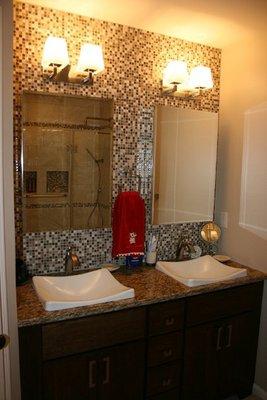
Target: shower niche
x,y
66,162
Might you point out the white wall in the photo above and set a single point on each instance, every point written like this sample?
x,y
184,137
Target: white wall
x,y
6,165
244,90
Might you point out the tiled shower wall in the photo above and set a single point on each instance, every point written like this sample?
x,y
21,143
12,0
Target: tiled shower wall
x,y
134,61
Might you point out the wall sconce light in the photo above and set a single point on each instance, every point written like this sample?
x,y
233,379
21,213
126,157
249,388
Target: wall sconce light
x,y
178,82
56,64
55,55
91,61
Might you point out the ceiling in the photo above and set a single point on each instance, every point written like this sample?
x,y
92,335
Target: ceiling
x,y
217,23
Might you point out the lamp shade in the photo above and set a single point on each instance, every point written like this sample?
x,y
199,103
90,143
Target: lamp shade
x,y
201,77
55,52
175,73
91,58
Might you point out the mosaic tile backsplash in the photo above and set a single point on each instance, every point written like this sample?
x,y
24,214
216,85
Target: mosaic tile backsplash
x,y
45,251
134,61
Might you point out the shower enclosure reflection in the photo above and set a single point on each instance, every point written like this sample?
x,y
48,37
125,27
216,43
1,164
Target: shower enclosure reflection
x,y
66,158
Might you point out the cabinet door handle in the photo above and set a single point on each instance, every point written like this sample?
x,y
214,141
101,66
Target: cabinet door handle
x,y
167,352
106,361
92,371
219,334
229,339
166,382
169,321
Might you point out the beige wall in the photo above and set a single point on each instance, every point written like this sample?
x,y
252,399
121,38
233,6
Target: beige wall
x,y
243,88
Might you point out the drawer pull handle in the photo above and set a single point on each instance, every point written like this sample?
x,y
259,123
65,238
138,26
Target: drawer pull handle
x,y
167,353
166,382
230,328
92,369
106,361
169,321
219,334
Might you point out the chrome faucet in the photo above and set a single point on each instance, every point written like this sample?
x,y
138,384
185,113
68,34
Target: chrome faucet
x,y
184,250
71,260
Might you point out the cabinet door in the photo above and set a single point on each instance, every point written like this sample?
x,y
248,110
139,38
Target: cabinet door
x,y
220,358
71,378
237,360
203,345
121,372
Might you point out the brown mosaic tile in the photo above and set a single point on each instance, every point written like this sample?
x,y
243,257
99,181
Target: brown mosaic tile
x,y
134,61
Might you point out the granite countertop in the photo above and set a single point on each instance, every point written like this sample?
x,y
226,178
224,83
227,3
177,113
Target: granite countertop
x,y
151,286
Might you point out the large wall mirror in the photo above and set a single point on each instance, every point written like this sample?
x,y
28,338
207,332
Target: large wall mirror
x,y
185,150
66,159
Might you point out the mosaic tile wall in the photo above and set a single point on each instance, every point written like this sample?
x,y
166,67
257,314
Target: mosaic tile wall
x,y
134,60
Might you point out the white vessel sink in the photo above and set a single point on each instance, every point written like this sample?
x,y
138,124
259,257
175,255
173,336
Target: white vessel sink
x,y
60,292
200,271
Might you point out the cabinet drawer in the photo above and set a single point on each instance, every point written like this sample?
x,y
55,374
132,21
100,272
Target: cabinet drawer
x,y
171,395
164,348
163,378
223,303
81,335
166,317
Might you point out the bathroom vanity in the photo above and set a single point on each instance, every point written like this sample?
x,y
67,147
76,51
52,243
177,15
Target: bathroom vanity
x,y
170,342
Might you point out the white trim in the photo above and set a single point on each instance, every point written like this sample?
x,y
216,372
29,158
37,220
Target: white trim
x,y
244,173
7,234
253,227
2,366
5,392
258,391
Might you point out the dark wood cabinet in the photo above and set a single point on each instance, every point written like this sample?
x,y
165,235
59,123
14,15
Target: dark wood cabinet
x,y
165,349
166,317
169,395
113,373
122,371
163,378
238,355
85,334
201,368
69,378
220,356
201,347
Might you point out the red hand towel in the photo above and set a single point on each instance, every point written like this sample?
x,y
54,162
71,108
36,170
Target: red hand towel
x,y
128,224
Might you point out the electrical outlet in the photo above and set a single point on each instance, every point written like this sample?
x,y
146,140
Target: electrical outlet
x,y
224,219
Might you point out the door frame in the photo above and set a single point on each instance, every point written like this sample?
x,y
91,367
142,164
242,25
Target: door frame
x,y
4,354
8,309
